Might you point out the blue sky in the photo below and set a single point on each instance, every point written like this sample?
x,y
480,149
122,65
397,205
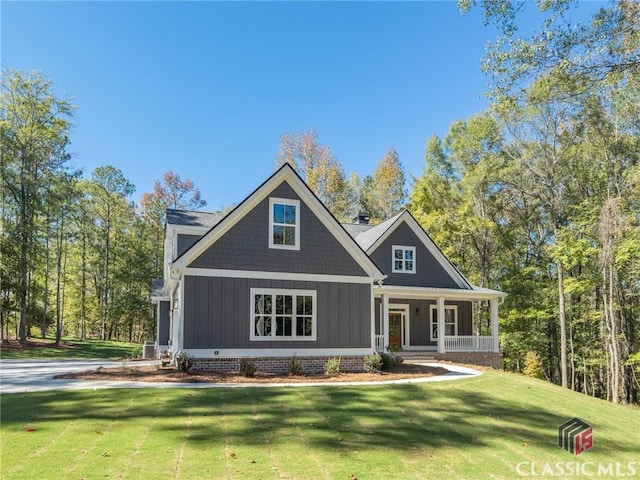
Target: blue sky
x,y
206,89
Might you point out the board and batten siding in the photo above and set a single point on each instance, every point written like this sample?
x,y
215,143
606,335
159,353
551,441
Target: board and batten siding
x,y
419,322
246,245
163,322
429,272
217,313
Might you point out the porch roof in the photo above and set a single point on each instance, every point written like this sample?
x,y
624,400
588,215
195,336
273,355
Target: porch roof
x,y
474,293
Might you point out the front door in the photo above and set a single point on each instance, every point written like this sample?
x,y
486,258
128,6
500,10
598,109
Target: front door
x,y
395,329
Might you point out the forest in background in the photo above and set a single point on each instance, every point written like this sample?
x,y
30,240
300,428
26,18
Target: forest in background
x,y
539,196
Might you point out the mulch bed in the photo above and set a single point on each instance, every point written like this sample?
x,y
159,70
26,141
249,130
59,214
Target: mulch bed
x,y
132,373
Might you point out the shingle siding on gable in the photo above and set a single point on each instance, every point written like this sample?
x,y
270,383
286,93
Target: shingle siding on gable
x,y
246,245
429,273
185,241
217,313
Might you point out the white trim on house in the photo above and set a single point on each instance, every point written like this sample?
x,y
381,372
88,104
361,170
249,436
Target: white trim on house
x,y
406,217
188,229
433,308
432,293
276,352
296,225
293,316
285,173
307,277
404,249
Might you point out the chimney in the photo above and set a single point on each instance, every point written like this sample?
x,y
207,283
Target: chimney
x,y
361,219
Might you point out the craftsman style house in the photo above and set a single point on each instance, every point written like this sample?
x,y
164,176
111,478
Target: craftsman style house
x,y
279,277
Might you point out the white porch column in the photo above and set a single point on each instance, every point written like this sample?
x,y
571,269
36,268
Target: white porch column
x,y
440,324
493,309
385,319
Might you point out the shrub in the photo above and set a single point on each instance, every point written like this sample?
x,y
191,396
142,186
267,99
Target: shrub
x,y
247,367
295,366
394,348
532,365
183,360
136,352
332,366
389,361
373,363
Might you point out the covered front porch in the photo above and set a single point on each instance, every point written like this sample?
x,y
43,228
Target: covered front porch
x,y
411,318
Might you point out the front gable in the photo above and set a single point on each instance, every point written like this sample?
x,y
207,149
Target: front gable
x,y
242,241
424,265
246,245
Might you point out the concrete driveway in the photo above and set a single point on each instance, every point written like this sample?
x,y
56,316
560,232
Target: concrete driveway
x,y
21,376
26,376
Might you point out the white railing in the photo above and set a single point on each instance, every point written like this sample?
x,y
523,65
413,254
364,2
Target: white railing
x,y
379,343
468,343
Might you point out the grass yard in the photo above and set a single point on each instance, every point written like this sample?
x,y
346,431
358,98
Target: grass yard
x,y
68,348
480,427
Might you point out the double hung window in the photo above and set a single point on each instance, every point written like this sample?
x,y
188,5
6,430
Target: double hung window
x,y
284,223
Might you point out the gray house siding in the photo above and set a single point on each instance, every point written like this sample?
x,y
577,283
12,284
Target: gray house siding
x,y
185,241
217,314
246,245
163,322
419,322
429,273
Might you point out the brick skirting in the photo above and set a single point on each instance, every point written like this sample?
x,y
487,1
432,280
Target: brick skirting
x,y
483,359
277,364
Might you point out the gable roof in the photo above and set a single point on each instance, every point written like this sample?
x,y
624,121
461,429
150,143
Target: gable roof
x,y
372,238
355,229
288,174
369,237
192,218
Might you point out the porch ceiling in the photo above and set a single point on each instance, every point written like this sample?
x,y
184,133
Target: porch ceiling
x,y
432,293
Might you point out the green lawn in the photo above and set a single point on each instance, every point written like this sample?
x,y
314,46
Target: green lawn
x,y
69,348
480,427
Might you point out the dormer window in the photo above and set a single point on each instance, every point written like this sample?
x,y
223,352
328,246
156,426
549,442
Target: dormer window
x,y
404,259
284,223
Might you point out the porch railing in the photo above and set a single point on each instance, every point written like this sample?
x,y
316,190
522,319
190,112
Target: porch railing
x,y
379,343
468,343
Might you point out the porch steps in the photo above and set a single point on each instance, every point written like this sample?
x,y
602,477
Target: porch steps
x,y
415,357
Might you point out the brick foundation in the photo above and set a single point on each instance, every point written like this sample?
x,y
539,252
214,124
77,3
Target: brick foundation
x,y
277,364
483,359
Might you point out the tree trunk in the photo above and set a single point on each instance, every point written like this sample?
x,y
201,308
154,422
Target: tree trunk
x,y
24,252
58,279
43,327
83,286
105,293
563,326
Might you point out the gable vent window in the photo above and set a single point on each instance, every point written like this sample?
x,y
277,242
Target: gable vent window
x,y
404,259
284,223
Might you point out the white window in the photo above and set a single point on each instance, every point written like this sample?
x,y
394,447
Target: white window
x,y
450,321
284,223
283,314
404,259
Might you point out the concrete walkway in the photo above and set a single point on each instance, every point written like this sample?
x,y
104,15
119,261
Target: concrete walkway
x,y
27,376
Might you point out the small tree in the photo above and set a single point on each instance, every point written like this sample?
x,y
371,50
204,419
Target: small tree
x,y
532,365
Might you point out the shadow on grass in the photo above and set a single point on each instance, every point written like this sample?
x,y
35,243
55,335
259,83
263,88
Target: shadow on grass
x,y
333,419
89,349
